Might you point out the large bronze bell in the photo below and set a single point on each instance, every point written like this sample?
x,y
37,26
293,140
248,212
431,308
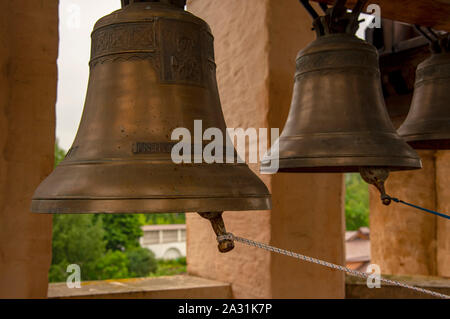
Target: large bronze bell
x,y
338,121
152,70
427,125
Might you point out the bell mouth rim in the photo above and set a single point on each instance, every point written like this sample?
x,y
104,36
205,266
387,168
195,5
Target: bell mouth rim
x,y
426,136
343,164
150,206
429,141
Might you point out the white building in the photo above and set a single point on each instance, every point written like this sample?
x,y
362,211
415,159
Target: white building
x,y
166,241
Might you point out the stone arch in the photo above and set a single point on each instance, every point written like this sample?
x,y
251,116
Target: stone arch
x,y
172,253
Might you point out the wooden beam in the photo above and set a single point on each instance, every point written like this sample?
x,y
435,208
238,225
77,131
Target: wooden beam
x,y
430,13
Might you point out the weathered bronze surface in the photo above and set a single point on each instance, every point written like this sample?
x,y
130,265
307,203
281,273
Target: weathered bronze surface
x,y
427,125
225,245
152,70
338,120
376,176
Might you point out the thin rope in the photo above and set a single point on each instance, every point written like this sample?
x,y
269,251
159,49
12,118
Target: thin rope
x,y
420,208
349,271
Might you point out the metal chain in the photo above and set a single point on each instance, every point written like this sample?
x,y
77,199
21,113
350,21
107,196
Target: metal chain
x,y
349,271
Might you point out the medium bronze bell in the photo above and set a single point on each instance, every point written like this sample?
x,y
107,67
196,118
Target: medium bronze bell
x,y
152,70
338,121
427,125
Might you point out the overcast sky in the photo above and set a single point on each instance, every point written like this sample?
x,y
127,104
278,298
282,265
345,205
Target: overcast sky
x,y
77,19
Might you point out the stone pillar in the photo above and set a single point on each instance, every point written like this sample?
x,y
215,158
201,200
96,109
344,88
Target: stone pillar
x,y
443,205
28,52
256,42
403,239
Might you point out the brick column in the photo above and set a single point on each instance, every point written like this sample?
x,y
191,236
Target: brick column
x,y
256,42
28,52
403,239
443,205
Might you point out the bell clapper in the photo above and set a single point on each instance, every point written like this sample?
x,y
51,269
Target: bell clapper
x,y
225,245
376,176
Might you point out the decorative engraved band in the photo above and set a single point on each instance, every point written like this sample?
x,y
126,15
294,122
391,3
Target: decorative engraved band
x,y
124,38
181,52
433,72
360,59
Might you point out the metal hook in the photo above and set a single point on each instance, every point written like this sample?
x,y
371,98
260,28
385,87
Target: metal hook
x,y
323,6
359,6
309,8
357,9
435,44
336,18
377,176
437,37
318,26
338,10
225,244
419,29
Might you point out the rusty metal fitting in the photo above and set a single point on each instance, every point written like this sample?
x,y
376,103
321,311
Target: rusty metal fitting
x,y
226,243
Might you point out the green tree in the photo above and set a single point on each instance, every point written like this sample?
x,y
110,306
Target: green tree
x,y
171,267
113,265
142,262
59,153
77,239
356,202
122,231
164,219
105,246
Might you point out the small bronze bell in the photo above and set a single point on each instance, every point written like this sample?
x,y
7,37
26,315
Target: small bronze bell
x,y
427,125
152,70
338,121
